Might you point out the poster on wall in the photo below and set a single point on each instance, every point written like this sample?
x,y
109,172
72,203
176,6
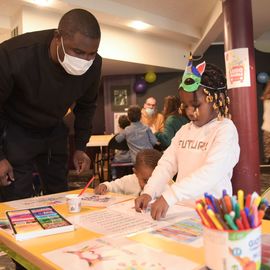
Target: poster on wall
x,y
237,68
120,97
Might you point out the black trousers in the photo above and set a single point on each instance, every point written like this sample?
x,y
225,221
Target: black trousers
x,y
27,151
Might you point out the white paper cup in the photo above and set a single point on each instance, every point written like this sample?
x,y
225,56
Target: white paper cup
x,y
228,250
74,203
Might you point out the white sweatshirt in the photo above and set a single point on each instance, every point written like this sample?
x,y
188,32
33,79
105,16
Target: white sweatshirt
x,y
203,157
128,185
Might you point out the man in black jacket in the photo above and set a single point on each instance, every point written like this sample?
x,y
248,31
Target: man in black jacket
x,y
41,75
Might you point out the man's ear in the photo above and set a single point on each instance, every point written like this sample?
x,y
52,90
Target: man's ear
x,y
56,34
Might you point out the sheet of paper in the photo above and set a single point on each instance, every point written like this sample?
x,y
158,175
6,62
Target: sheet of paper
x,y
88,199
187,231
110,253
47,200
122,219
91,199
110,222
174,214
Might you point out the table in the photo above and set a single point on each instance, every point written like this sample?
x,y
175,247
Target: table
x,y
29,252
102,142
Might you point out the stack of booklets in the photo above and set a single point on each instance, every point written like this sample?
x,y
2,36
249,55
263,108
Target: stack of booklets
x,y
35,222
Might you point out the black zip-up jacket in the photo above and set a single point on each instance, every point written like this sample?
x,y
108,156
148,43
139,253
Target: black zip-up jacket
x,y
36,93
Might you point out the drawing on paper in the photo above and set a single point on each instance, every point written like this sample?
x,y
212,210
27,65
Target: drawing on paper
x,y
187,230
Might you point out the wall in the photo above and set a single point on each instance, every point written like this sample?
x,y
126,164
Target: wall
x,y
167,83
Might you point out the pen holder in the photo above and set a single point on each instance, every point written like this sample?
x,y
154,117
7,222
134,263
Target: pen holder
x,y
232,250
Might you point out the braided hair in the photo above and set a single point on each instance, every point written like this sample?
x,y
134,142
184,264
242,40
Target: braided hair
x,y
213,82
148,158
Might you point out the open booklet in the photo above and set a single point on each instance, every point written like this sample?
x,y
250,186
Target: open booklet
x,y
36,222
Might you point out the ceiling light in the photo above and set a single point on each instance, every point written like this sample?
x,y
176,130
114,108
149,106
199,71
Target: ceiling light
x,y
42,2
139,25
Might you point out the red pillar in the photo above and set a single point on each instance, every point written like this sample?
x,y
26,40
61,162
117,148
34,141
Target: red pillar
x,y
238,33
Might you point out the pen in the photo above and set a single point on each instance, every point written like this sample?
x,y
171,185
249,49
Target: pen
x,y
239,224
87,185
224,207
255,215
202,213
257,201
240,197
248,200
237,210
228,203
222,222
212,215
244,219
230,222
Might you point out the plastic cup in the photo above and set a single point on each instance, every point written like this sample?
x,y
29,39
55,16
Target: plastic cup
x,y
74,203
227,250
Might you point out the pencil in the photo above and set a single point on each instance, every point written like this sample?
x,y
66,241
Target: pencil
x,y
87,185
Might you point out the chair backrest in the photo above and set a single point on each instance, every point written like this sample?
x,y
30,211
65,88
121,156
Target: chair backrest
x,y
119,166
114,145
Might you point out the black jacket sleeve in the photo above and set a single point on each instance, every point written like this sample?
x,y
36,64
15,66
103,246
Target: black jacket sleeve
x,y
85,109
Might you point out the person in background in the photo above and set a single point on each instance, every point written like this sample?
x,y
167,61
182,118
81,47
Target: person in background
x,y
203,152
173,121
41,75
266,123
137,135
150,116
121,155
133,184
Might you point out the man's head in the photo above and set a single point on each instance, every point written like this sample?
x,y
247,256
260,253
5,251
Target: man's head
x,y
150,106
76,41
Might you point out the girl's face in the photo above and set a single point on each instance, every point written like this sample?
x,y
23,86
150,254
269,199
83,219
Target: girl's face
x,y
204,111
143,173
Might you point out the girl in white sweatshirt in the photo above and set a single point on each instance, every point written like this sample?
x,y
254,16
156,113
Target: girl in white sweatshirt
x,y
203,152
133,184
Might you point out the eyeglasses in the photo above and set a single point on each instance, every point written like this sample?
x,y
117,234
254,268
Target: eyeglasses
x,y
149,104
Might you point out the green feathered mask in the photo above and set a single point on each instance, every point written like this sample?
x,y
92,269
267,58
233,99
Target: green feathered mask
x,y
191,79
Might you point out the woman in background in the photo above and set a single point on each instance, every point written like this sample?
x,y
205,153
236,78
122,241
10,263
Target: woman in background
x,y
266,123
173,121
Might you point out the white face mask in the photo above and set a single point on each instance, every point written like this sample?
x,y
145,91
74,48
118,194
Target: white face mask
x,y
74,65
150,111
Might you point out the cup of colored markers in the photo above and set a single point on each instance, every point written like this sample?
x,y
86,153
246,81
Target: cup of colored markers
x,y
232,230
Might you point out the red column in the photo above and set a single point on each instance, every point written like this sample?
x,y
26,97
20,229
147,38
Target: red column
x,y
238,33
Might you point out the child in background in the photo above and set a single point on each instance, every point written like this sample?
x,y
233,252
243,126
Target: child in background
x,y
266,123
133,184
137,135
122,155
203,152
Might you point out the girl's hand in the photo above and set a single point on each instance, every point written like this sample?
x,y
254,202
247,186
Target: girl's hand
x,y
142,202
101,189
159,208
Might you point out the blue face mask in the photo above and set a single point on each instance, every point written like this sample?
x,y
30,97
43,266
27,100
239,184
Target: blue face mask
x,y
150,111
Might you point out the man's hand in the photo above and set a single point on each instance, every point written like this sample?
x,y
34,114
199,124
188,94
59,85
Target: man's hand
x,y
101,189
159,208
6,173
81,161
142,202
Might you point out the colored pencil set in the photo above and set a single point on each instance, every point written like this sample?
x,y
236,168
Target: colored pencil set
x,y
232,212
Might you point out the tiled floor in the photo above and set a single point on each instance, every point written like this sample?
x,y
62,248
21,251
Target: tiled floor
x,y
79,182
